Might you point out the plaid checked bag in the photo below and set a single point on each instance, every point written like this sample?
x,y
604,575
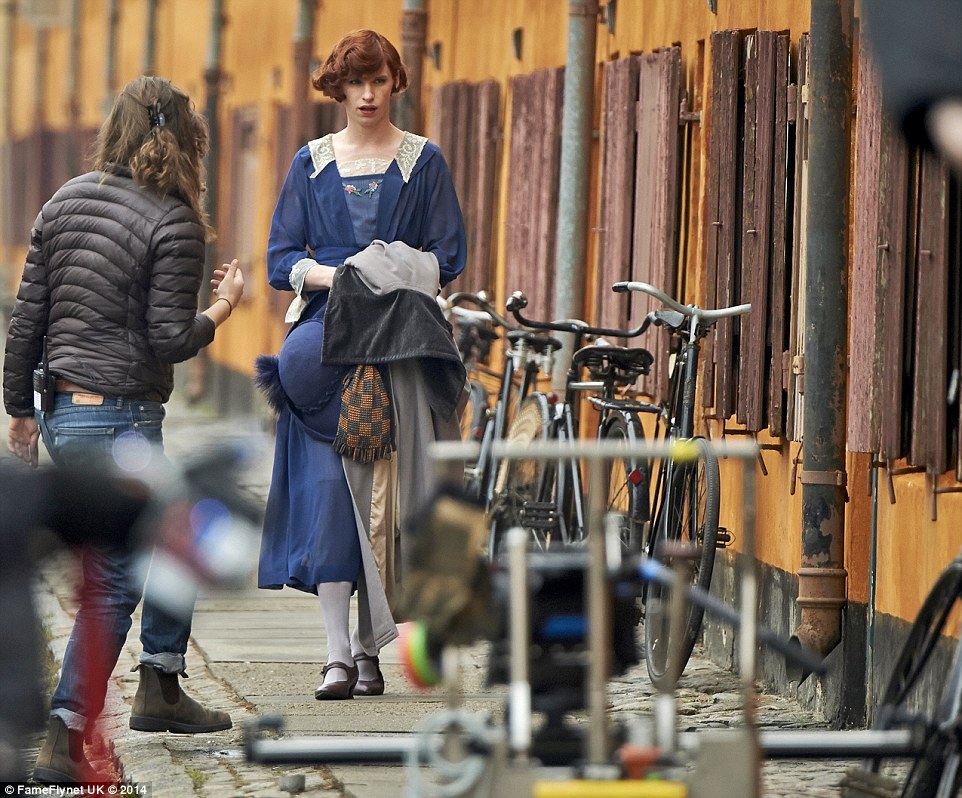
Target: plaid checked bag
x,y
365,432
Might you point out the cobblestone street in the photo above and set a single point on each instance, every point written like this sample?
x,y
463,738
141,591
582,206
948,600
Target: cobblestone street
x,y
259,653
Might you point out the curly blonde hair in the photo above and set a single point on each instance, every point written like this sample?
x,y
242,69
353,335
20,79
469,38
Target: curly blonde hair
x,y
154,130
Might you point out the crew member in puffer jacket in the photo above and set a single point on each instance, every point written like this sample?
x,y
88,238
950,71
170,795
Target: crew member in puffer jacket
x,y
109,296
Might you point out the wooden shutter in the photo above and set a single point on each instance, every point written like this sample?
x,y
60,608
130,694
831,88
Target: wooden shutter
x,y
796,339
465,124
617,190
783,199
761,272
722,215
329,117
483,160
929,411
535,154
656,213
284,145
892,245
237,220
865,325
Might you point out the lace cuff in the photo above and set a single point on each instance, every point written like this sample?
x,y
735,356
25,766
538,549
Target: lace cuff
x,y
298,273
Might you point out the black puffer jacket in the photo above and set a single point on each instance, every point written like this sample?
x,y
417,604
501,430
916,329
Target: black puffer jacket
x,y
111,278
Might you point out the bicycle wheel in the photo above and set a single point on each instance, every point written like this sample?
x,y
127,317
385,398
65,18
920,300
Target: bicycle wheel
x,y
474,419
475,412
628,484
521,483
687,519
936,772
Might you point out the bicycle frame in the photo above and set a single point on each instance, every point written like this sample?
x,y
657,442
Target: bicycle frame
x,y
561,484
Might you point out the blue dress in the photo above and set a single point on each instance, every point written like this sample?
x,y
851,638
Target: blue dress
x,y
310,528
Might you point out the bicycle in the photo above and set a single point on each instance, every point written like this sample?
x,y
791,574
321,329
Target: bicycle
x,y
528,355
686,495
936,772
474,334
545,498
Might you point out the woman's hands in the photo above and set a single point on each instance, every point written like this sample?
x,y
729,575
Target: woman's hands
x,y
227,284
23,436
318,277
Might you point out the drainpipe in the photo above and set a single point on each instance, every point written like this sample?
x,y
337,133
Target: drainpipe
x,y
414,31
302,51
110,65
8,10
212,80
74,158
150,43
821,578
576,139
199,365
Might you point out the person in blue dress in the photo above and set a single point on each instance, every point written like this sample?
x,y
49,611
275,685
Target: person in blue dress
x,y
376,205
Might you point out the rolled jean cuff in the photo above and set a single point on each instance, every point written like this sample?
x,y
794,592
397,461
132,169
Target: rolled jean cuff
x,y
165,662
71,720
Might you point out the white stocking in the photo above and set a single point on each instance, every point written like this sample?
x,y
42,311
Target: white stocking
x,y
361,644
335,608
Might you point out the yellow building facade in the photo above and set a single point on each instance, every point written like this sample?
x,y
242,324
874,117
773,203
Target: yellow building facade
x,y
249,61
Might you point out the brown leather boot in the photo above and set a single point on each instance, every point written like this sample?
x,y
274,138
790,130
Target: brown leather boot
x,y
161,705
61,759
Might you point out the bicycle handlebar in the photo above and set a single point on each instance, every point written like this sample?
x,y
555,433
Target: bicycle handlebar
x,y
487,312
685,310
518,300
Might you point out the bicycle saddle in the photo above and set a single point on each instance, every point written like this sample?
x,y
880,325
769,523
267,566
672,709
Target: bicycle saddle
x,y
615,362
537,341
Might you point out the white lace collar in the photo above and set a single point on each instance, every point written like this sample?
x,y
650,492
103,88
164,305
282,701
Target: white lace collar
x,y
322,153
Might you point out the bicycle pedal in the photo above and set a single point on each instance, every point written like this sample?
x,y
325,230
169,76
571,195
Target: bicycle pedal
x,y
539,515
723,538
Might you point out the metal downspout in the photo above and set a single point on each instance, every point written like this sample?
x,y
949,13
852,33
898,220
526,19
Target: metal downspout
x,y
111,62
74,156
576,139
200,364
8,9
821,577
414,31
212,80
150,42
303,49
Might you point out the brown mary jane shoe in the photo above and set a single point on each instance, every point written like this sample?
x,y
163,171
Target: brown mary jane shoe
x,y
373,686
337,690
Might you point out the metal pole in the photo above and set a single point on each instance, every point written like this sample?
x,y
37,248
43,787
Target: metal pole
x,y
599,620
199,367
748,634
821,578
150,43
576,140
74,156
414,28
301,129
519,732
8,9
110,66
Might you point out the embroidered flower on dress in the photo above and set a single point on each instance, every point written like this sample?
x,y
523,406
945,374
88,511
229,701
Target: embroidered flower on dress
x,y
370,191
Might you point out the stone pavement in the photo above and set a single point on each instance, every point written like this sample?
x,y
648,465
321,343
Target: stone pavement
x,y
257,653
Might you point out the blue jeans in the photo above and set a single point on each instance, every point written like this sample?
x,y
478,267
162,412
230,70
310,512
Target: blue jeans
x,y
126,433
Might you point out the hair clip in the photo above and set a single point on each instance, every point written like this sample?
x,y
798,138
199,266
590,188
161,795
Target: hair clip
x,y
157,118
